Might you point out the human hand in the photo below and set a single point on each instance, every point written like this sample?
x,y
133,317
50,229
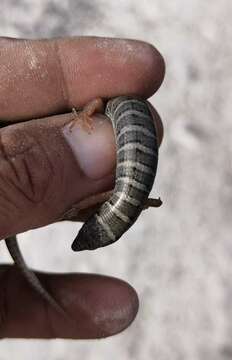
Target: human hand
x,y
45,169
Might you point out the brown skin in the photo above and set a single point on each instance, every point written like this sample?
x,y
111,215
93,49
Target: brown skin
x,y
40,178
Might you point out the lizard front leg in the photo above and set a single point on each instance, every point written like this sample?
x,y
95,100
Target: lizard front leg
x,y
84,117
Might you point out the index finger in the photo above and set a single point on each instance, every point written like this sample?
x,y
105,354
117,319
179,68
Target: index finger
x,y
43,77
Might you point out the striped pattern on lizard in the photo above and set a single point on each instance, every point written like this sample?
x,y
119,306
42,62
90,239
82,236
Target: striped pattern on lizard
x,y
137,158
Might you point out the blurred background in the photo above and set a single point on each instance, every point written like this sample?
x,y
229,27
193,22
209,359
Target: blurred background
x,y
183,274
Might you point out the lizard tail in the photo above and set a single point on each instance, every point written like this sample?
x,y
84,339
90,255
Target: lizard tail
x,y
14,250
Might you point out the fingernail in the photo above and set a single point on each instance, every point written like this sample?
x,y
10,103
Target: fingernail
x,y
94,150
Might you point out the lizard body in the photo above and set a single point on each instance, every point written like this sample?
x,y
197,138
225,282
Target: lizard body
x,y
137,159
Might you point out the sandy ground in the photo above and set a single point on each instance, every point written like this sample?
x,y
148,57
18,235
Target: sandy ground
x,y
183,274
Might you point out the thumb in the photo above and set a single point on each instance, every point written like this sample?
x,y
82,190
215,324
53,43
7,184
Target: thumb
x,y
45,168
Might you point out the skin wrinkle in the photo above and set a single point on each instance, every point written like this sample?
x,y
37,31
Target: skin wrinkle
x,y
33,69
50,162
10,180
6,201
29,177
28,191
11,162
7,158
18,188
4,212
30,194
2,148
7,179
6,205
50,167
65,88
